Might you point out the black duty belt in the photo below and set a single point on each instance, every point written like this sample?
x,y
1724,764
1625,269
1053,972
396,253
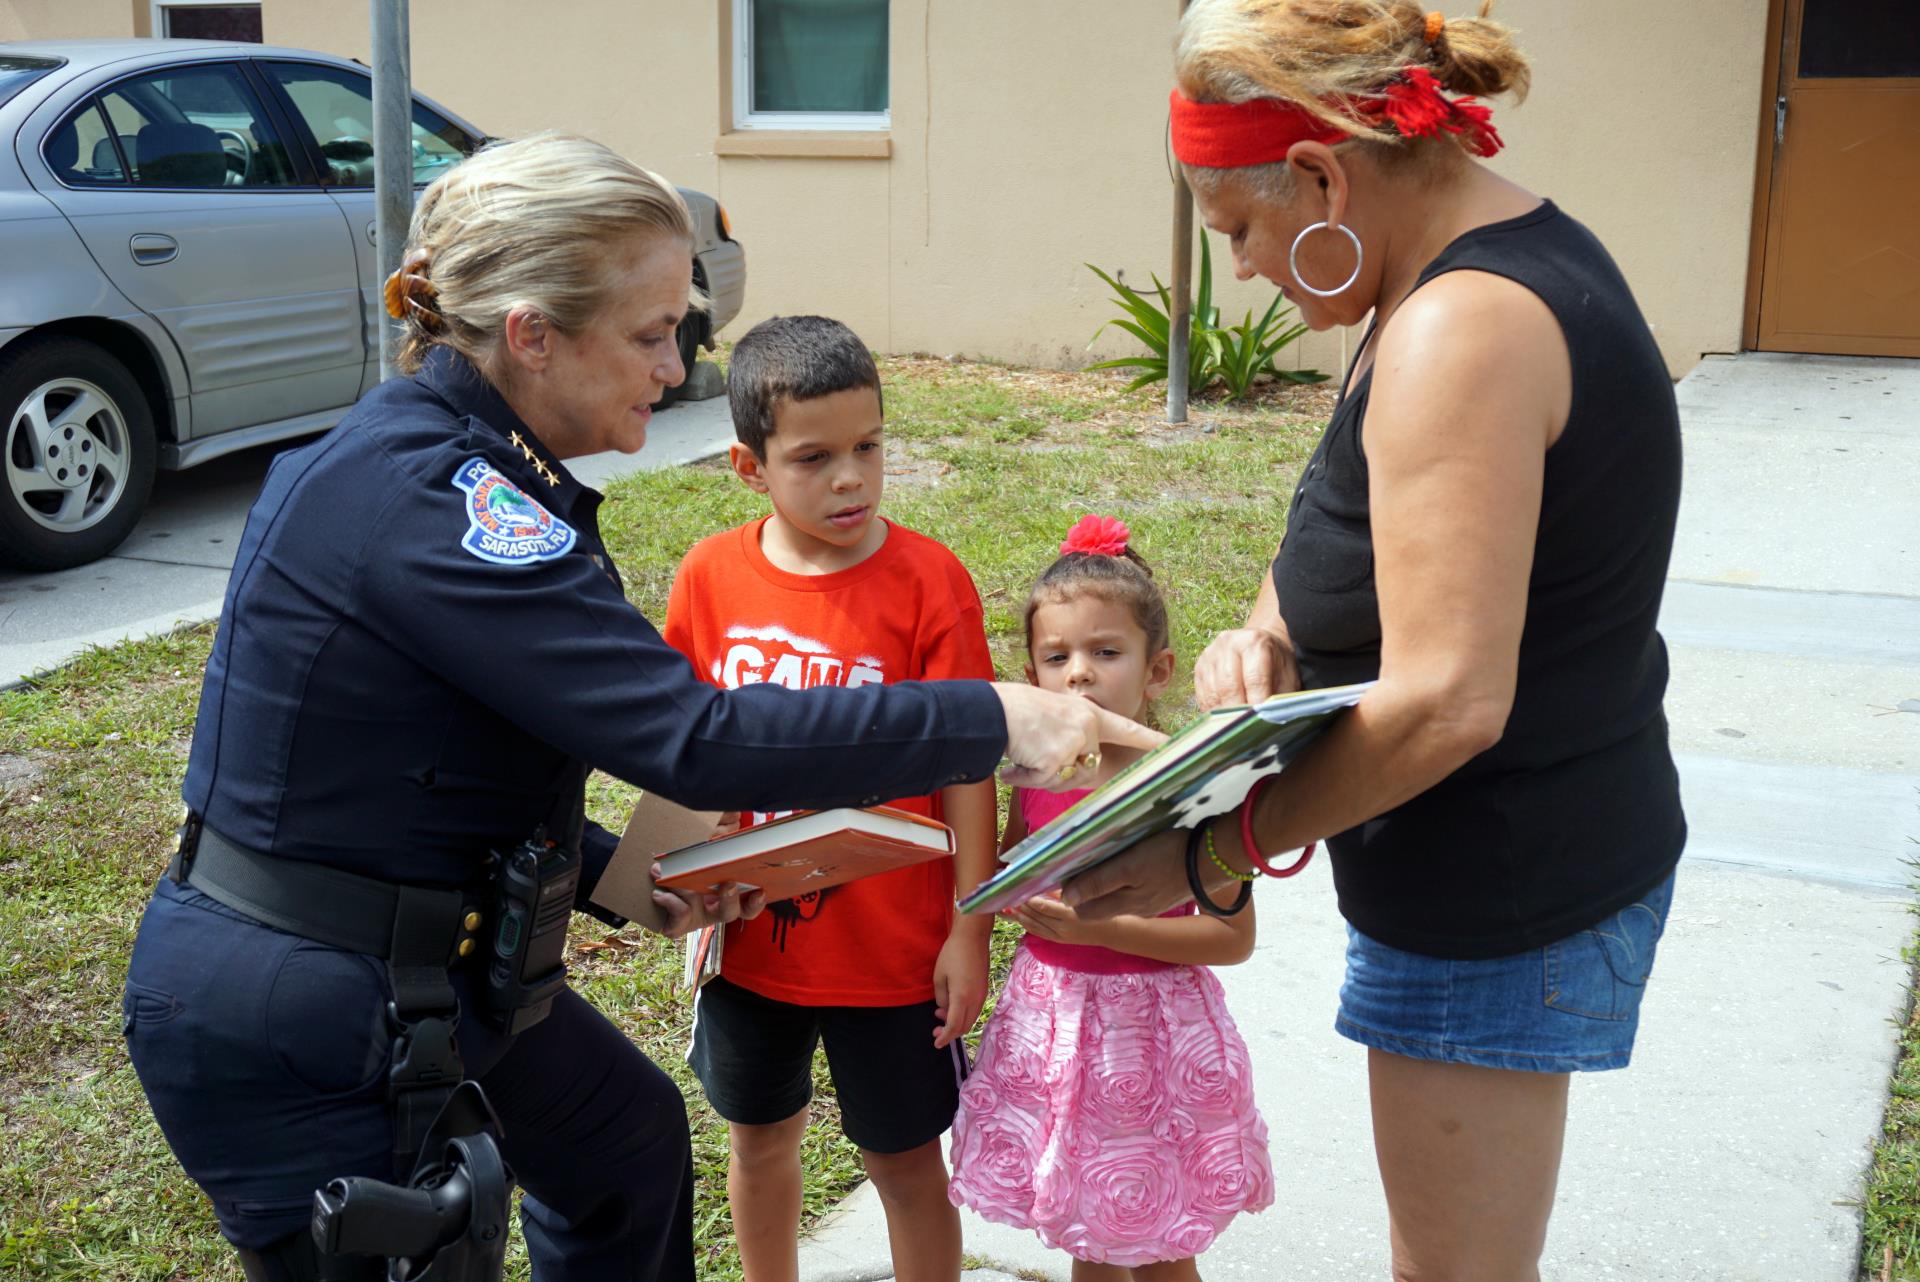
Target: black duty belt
x,y
419,930
418,924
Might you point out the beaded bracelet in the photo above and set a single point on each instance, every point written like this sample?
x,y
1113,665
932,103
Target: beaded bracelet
x,y
1213,853
1194,884
1254,856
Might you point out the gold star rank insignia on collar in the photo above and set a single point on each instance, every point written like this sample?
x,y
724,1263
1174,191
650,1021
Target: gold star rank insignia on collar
x,y
539,464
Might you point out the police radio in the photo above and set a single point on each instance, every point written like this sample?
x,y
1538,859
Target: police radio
x,y
533,890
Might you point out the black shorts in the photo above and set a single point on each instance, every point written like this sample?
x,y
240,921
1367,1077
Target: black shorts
x,y
754,1057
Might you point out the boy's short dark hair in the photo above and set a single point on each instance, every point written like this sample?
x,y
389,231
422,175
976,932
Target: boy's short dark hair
x,y
794,358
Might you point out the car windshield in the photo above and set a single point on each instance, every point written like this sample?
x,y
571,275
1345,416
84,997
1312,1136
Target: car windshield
x,y
17,71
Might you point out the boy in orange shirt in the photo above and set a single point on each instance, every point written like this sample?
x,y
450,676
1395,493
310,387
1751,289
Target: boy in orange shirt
x,y
823,591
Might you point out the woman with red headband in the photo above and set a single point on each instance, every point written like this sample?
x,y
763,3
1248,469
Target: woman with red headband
x,y
1484,529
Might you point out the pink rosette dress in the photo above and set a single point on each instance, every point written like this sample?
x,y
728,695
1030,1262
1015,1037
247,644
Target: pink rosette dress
x,y
1111,1107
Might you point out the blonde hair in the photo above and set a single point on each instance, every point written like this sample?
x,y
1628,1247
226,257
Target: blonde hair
x,y
535,222
1317,53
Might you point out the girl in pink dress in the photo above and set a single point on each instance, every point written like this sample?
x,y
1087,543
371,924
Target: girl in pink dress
x,y
1111,1107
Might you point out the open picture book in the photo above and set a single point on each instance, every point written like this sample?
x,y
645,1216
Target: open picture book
x,y
1204,770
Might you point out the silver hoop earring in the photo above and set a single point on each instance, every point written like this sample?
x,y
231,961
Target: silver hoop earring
x,y
1293,259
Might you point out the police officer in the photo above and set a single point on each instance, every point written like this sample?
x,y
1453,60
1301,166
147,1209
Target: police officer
x,y
423,648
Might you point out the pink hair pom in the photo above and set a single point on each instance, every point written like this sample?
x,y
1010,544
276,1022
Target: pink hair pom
x,y
1097,536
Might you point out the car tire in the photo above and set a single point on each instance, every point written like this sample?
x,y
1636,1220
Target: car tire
x,y
77,453
688,337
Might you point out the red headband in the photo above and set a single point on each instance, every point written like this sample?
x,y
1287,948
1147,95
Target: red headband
x,y
1228,135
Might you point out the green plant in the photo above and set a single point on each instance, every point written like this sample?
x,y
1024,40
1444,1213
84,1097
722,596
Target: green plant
x,y
1235,356
1152,324
1246,351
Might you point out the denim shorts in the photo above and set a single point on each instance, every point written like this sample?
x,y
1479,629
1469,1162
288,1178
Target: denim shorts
x,y
1572,1006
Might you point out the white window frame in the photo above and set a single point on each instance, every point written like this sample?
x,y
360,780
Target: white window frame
x,y
157,22
745,117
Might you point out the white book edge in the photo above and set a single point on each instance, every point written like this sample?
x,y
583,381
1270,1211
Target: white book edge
x,y
788,832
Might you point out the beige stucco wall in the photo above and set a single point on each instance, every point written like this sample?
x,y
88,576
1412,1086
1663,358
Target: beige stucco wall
x,y
1027,139
1013,161
1642,123
65,19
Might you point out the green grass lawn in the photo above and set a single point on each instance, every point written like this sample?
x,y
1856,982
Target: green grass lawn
x,y
995,462
1891,1210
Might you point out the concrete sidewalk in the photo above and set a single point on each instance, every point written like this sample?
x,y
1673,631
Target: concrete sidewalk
x,y
1734,1148
172,570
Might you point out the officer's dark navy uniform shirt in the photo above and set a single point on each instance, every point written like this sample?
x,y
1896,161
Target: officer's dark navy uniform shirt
x,y
423,636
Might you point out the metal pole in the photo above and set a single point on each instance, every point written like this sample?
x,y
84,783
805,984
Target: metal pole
x,y
1180,323
392,154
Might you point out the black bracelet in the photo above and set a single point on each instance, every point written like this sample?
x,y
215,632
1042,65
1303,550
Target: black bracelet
x,y
1195,838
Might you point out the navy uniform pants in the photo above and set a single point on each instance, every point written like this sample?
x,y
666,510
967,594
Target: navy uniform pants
x,y
264,1057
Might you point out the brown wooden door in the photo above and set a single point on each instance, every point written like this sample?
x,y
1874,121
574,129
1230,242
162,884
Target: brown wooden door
x,y
1840,269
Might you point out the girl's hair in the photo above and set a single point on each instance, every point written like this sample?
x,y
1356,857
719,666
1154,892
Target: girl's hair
x,y
535,221
1315,53
1117,574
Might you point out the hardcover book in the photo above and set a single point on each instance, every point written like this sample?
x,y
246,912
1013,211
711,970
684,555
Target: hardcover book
x,y
809,851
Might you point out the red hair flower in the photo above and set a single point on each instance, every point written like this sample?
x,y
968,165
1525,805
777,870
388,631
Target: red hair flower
x,y
1415,107
1097,536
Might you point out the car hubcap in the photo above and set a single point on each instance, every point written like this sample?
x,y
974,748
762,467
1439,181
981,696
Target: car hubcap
x,y
67,455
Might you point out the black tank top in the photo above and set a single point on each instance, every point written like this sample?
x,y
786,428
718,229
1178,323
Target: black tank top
x,y
1575,813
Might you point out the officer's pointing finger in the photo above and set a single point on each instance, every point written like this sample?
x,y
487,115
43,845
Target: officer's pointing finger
x,y
1114,728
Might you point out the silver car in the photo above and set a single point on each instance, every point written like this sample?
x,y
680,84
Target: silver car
x,y
187,267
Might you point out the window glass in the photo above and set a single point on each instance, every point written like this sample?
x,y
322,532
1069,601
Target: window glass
x,y
819,55
198,126
213,22
17,72
337,106
81,151
1859,38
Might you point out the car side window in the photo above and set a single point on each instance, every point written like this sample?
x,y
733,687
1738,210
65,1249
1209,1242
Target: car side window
x,y
196,126
337,106
81,152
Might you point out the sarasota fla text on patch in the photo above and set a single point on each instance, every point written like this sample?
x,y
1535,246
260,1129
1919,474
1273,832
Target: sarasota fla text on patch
x,y
504,524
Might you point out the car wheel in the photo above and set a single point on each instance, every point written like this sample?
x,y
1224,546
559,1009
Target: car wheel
x,y
78,446
687,338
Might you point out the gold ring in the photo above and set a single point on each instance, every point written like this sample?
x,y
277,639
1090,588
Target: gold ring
x,y
1091,761
1068,771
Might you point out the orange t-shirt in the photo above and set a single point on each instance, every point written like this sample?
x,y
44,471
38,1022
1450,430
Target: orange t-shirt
x,y
909,612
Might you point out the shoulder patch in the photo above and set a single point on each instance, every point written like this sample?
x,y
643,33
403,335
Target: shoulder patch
x,y
505,525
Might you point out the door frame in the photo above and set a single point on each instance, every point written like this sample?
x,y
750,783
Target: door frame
x,y
1764,149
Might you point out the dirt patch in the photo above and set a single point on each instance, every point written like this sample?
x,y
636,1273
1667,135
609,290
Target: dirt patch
x,y
905,467
20,771
1079,403
1065,409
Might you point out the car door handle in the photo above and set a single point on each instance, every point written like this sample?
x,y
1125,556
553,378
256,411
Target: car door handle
x,y
373,233
150,249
